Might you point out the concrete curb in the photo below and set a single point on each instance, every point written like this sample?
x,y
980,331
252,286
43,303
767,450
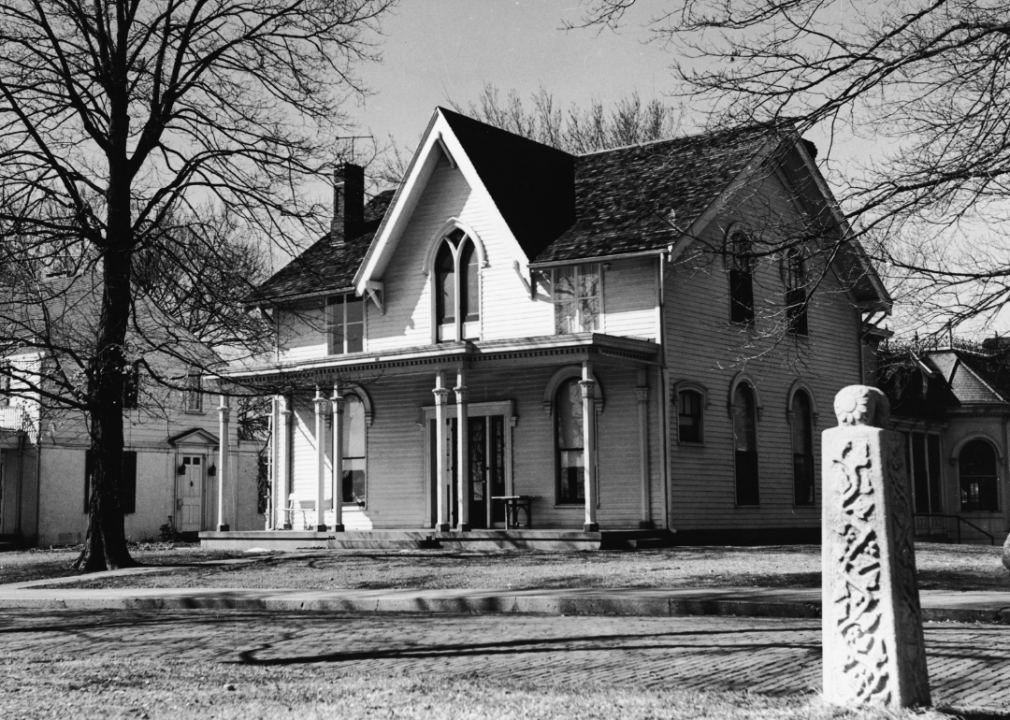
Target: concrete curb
x,y
989,608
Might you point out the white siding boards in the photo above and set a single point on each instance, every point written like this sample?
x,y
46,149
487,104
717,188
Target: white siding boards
x,y
663,323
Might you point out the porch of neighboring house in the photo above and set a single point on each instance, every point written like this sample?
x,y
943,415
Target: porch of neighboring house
x,y
544,443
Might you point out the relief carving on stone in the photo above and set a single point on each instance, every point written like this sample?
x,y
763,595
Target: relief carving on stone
x,y
857,595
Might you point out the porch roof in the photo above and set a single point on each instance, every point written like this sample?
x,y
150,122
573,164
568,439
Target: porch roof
x,y
544,350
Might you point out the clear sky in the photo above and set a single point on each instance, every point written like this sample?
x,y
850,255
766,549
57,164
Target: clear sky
x,y
437,51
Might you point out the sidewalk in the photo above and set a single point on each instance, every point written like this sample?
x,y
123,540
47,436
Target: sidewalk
x,y
938,606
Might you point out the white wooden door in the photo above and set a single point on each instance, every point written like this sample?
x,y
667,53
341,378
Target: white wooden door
x,y
189,501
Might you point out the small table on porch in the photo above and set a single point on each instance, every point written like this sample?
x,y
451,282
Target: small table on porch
x,y
513,504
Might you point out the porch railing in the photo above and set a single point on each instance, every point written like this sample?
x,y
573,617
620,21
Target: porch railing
x,y
937,524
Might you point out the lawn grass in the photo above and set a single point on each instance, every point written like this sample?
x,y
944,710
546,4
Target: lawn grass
x,y
46,687
46,563
946,567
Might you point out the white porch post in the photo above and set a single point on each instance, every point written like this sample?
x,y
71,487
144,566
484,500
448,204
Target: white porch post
x,y
462,451
441,395
338,458
283,469
642,397
589,443
320,403
222,462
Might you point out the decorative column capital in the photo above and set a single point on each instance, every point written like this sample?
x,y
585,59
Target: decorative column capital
x,y
441,395
461,393
320,401
588,388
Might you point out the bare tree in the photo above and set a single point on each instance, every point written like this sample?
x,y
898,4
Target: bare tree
x,y
921,85
116,113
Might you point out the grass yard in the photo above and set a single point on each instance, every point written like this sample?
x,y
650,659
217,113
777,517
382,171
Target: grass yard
x,y
38,564
954,567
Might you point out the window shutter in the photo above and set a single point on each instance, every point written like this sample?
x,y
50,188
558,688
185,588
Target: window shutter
x,y
89,469
128,489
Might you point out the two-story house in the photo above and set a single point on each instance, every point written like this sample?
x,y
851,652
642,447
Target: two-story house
x,y
171,426
648,337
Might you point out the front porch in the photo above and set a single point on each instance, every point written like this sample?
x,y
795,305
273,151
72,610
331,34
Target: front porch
x,y
486,540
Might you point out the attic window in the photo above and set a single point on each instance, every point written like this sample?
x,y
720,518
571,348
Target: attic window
x,y
577,298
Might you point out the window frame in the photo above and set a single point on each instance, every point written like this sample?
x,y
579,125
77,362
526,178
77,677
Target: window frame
x,y
349,397
794,278
6,372
743,381
933,486
578,272
580,500
685,386
333,325
995,478
808,459
740,265
193,394
457,239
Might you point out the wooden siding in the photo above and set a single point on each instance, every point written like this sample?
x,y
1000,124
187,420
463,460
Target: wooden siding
x,y
301,332
629,298
704,347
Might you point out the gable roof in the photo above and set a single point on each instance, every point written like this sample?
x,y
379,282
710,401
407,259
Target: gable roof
x,y
644,197
328,265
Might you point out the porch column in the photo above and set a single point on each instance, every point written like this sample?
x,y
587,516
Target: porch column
x,y
642,397
589,443
462,452
338,459
283,469
442,497
320,403
222,461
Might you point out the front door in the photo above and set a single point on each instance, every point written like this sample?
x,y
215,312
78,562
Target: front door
x,y
189,500
486,474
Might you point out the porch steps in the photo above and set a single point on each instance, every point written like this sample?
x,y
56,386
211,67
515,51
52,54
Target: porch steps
x,y
428,539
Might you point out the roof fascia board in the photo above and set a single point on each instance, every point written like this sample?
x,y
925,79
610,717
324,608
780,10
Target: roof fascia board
x,y
843,223
596,258
401,207
287,299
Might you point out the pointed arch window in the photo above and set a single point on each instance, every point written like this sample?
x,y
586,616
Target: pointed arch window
x,y
794,275
457,288
741,278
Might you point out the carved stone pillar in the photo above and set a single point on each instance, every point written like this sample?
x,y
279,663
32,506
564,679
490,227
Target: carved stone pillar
x,y
338,459
320,403
642,398
874,652
441,468
588,385
462,453
224,413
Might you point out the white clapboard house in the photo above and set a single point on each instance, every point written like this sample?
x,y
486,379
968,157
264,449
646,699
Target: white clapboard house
x,y
172,437
521,345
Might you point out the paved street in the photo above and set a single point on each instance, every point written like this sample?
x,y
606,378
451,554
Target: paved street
x,y
969,665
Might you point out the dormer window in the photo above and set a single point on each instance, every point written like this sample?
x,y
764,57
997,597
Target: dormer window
x,y
457,288
577,299
345,324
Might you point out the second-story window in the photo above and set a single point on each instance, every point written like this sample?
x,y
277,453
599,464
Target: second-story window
x,y
345,324
194,392
689,416
741,278
131,386
577,303
457,288
794,275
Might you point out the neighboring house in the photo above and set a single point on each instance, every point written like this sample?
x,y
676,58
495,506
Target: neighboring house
x,y
953,406
171,436
624,353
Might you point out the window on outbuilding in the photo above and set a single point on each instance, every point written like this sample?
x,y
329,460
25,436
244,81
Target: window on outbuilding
x,y
353,483
979,483
571,460
745,445
689,416
576,296
457,287
741,278
803,449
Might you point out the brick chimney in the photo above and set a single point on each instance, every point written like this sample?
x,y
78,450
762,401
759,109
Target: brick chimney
x,y
348,202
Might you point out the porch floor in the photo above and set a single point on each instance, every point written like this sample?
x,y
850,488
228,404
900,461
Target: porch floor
x,y
291,540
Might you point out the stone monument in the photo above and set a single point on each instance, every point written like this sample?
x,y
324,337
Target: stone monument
x,y
873,646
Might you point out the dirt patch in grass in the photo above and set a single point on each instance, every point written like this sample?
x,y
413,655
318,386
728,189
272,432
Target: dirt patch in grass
x,y
950,567
44,564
